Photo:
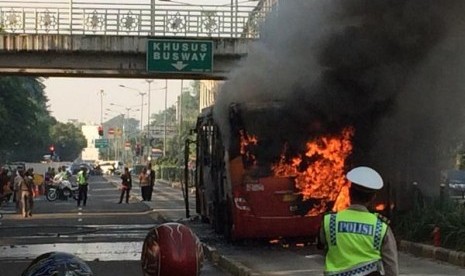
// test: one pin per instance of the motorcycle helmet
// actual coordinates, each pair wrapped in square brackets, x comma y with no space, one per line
[171,249]
[57,264]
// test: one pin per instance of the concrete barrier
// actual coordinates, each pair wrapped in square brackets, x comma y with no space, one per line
[229,265]
[432,252]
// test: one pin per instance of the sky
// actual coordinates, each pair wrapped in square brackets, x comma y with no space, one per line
[79,98]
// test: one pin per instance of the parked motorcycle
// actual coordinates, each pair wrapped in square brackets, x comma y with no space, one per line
[62,190]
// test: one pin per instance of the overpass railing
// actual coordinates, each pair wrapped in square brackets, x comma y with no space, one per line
[167,19]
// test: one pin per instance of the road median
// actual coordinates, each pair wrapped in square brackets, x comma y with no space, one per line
[433,252]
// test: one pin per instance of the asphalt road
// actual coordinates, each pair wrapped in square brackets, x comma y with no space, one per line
[107,235]
[281,258]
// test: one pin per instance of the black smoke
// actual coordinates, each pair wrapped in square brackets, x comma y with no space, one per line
[391,69]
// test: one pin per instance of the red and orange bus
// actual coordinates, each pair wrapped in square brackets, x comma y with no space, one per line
[256,178]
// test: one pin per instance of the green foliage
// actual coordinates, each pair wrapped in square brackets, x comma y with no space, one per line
[27,127]
[417,224]
[68,140]
[25,119]
[189,112]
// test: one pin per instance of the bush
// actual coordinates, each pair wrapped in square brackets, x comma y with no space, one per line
[417,224]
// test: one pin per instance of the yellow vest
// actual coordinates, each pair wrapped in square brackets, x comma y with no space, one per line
[81,179]
[354,240]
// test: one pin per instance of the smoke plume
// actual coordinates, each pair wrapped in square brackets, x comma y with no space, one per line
[391,69]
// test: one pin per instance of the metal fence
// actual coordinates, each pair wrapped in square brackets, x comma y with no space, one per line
[170,19]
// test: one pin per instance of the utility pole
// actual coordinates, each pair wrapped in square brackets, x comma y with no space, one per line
[148,107]
[141,112]
[180,112]
[101,106]
[164,119]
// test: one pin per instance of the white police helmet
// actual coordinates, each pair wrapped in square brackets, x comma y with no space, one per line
[365,177]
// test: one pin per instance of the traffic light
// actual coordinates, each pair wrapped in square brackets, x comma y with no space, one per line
[100,131]
[51,150]
[138,149]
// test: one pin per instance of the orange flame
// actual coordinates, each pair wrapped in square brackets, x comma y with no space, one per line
[380,207]
[324,178]
[247,141]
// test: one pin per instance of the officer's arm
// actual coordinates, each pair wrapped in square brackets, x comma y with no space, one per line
[389,254]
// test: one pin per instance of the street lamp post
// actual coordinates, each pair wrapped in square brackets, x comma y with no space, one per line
[164,119]
[180,111]
[125,118]
[142,111]
[148,107]
[142,94]
[101,106]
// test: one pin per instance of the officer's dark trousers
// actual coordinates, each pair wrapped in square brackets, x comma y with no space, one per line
[82,195]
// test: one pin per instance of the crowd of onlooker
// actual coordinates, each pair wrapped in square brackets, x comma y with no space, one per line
[18,186]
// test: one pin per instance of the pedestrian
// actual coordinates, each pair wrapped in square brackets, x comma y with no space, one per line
[126,185]
[144,184]
[356,241]
[16,191]
[29,177]
[151,174]
[83,186]
[5,191]
[25,191]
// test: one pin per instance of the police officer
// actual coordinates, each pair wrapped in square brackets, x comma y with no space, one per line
[82,182]
[356,241]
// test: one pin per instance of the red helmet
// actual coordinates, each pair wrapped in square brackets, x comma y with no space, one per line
[172,249]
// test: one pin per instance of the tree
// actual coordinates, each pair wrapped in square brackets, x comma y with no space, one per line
[68,140]
[189,112]
[25,119]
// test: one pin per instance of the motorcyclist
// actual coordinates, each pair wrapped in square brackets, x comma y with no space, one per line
[58,177]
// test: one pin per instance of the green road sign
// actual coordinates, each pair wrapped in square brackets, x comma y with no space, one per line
[101,143]
[179,55]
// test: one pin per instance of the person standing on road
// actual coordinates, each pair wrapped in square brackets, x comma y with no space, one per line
[16,191]
[25,191]
[144,184]
[151,174]
[83,186]
[5,191]
[126,185]
[356,241]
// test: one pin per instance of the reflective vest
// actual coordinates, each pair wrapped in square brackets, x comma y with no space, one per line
[354,239]
[64,176]
[81,179]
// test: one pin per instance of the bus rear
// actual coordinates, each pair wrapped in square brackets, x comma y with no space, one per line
[258,178]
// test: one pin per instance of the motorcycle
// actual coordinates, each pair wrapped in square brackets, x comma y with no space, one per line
[62,190]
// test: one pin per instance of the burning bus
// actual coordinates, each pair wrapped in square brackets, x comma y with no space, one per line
[358,91]
[257,178]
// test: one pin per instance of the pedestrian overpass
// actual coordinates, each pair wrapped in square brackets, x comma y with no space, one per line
[165,40]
